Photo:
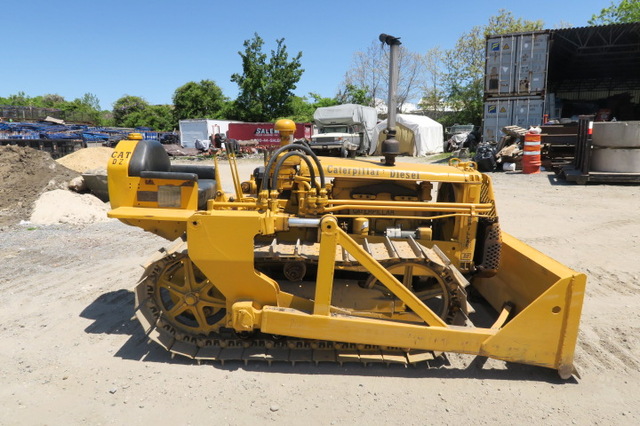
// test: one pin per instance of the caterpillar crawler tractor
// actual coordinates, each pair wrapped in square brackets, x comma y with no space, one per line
[344,260]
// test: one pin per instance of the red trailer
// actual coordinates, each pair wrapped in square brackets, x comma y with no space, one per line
[264,133]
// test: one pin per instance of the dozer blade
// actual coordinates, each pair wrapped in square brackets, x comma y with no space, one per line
[539,301]
[545,301]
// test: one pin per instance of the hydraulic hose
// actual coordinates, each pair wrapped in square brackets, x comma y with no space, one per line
[281,160]
[290,147]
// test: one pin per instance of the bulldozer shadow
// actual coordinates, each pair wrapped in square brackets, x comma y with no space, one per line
[475,369]
[113,314]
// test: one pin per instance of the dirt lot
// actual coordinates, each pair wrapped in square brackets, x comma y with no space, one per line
[71,352]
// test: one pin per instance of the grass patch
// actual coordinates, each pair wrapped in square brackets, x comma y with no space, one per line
[439,157]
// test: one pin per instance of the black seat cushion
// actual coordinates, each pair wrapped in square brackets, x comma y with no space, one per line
[203,172]
[150,160]
[149,155]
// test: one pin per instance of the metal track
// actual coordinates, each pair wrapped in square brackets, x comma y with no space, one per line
[224,345]
[407,249]
[265,350]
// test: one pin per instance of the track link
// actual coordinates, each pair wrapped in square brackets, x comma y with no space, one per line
[291,351]
[267,349]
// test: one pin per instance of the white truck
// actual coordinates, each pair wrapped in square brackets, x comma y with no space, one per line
[344,130]
[201,130]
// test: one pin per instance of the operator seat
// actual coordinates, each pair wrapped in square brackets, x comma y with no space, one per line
[151,161]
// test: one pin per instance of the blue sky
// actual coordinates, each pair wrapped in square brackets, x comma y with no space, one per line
[150,48]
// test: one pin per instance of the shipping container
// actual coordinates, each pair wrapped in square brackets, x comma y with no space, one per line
[561,74]
[500,59]
[265,133]
[531,64]
[497,114]
[516,64]
[502,112]
[527,112]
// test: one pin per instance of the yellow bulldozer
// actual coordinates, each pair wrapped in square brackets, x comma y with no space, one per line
[339,260]
[331,259]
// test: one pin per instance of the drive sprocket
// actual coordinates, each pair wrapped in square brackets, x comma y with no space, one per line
[176,294]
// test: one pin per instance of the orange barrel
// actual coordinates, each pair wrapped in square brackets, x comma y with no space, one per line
[531,160]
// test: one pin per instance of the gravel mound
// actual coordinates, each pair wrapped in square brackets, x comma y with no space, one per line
[25,173]
[87,159]
[60,206]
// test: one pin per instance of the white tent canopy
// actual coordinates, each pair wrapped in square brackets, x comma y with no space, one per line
[418,135]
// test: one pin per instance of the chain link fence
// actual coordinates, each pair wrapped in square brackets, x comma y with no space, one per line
[27,113]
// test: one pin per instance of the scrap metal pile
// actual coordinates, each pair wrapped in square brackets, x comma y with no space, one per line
[59,138]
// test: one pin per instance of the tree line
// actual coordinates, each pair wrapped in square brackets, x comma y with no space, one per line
[448,82]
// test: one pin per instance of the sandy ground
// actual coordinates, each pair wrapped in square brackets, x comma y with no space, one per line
[71,352]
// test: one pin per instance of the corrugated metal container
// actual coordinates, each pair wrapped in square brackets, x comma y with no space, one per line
[527,112]
[516,64]
[531,64]
[517,111]
[497,114]
[500,60]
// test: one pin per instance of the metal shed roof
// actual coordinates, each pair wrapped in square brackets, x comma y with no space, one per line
[595,58]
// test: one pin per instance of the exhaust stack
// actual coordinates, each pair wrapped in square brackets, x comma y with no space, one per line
[390,146]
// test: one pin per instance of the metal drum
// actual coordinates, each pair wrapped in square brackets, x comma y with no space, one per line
[531,160]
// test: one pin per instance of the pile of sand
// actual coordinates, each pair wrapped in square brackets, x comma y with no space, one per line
[60,206]
[24,174]
[87,159]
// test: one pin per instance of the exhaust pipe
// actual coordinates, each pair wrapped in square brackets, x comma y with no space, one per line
[390,146]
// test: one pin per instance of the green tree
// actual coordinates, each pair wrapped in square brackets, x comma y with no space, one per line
[301,110]
[433,93]
[463,77]
[91,101]
[157,117]
[106,118]
[85,109]
[199,100]
[623,12]
[266,87]
[352,94]
[126,106]
[20,99]
[320,101]
[303,107]
[52,100]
